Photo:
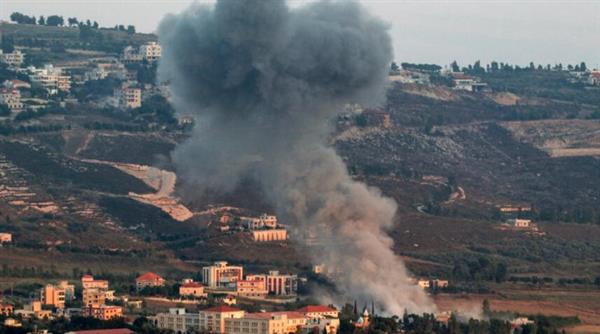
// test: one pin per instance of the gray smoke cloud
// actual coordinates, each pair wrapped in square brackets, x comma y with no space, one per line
[263,82]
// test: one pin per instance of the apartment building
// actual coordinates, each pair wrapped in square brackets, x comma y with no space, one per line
[88,282]
[277,283]
[178,320]
[221,275]
[150,51]
[15,58]
[104,312]
[57,295]
[211,320]
[128,96]
[11,98]
[266,323]
[255,287]
[93,297]
[51,78]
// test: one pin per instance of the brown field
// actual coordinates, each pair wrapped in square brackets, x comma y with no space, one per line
[583,303]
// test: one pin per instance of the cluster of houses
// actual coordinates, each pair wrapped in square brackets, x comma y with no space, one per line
[264,228]
[222,277]
[225,282]
[225,319]
[59,80]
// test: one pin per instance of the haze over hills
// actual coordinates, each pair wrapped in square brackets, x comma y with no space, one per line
[88,181]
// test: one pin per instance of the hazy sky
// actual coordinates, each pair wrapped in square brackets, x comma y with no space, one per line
[423,31]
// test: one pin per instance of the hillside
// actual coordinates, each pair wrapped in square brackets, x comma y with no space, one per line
[83,184]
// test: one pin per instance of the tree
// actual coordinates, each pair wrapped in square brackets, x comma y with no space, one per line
[455,67]
[8,44]
[500,274]
[95,25]
[55,21]
[88,23]
[72,21]
[130,29]
[583,67]
[394,67]
[41,20]
[4,110]
[22,19]
[494,66]
[486,309]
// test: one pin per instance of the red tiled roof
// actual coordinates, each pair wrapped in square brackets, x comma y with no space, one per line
[106,331]
[221,309]
[596,74]
[87,277]
[192,285]
[316,309]
[149,276]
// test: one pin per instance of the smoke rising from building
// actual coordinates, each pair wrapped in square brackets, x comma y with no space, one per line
[263,82]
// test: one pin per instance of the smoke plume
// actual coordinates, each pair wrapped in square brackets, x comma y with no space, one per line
[263,82]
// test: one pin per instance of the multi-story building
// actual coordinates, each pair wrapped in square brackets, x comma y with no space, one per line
[54,295]
[266,323]
[264,221]
[148,279]
[104,312]
[252,287]
[128,96]
[221,275]
[193,289]
[15,58]
[131,55]
[150,51]
[316,311]
[93,297]
[269,235]
[51,78]
[11,98]
[211,320]
[88,282]
[105,70]
[278,284]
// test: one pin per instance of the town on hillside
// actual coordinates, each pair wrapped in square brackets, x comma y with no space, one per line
[493,167]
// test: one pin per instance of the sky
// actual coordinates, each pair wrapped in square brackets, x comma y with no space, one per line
[423,31]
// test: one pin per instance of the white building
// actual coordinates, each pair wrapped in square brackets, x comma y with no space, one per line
[519,223]
[264,221]
[278,284]
[15,58]
[105,70]
[221,275]
[131,55]
[466,82]
[12,99]
[151,51]
[51,78]
[211,320]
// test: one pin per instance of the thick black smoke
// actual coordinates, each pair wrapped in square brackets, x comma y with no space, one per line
[263,82]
